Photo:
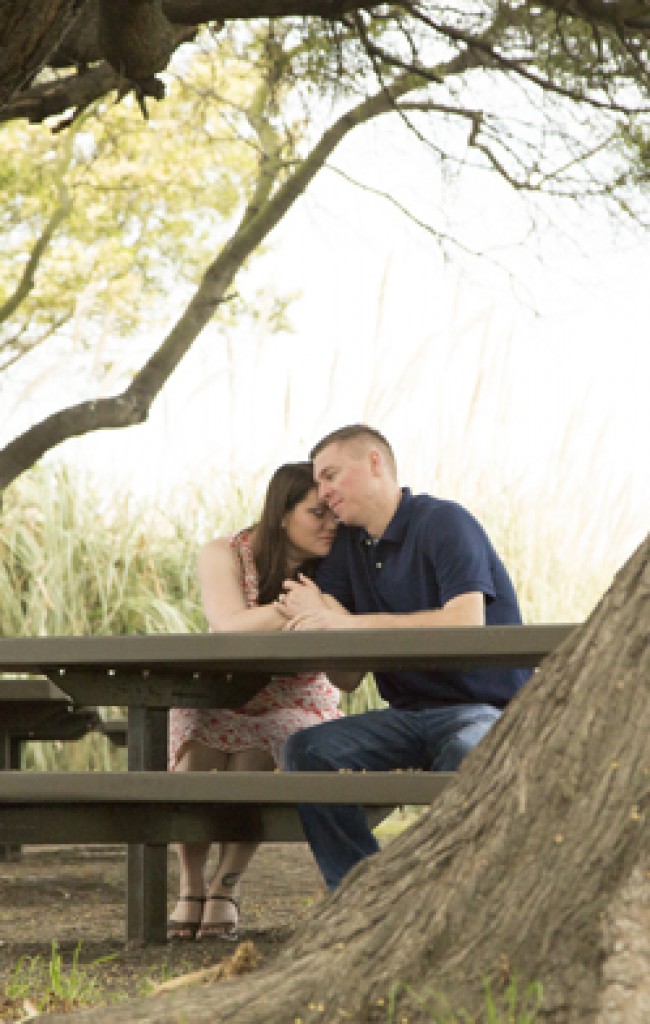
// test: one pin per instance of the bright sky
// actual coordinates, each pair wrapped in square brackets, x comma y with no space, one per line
[539,384]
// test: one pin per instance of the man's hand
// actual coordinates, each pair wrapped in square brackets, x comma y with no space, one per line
[304,606]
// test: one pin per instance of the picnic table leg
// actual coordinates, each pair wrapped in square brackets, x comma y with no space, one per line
[147,864]
[10,758]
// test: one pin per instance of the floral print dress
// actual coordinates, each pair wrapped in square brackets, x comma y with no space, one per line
[285,705]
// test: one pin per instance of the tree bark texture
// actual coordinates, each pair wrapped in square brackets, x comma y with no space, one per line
[534,863]
[30,30]
[137,37]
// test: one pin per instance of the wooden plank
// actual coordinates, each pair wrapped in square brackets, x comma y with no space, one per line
[130,688]
[49,722]
[33,688]
[287,652]
[34,708]
[149,788]
[116,730]
[34,824]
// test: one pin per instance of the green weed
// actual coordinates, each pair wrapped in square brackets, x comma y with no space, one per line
[512,1006]
[47,984]
[163,973]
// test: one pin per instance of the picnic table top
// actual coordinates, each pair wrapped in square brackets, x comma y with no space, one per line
[518,646]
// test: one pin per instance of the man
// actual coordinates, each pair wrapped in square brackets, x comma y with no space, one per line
[399,561]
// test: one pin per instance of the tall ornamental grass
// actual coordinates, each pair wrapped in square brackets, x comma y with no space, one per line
[74,562]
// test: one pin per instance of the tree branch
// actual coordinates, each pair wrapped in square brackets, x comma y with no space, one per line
[132,406]
[198,12]
[493,56]
[74,421]
[19,348]
[76,91]
[62,210]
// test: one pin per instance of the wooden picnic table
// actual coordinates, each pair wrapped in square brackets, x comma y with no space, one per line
[151,674]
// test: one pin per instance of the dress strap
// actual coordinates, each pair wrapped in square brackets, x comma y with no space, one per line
[242,545]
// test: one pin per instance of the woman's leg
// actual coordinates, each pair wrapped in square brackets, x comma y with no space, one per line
[192,857]
[221,913]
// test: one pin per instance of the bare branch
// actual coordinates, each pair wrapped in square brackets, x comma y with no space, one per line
[23,348]
[493,56]
[77,91]
[437,233]
[198,12]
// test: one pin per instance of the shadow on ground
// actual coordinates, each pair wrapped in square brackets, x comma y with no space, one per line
[75,897]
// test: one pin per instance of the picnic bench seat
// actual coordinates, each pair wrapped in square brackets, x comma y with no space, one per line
[37,709]
[108,807]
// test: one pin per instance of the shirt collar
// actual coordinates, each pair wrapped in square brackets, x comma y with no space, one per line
[396,528]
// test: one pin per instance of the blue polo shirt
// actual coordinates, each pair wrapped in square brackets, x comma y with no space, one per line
[430,552]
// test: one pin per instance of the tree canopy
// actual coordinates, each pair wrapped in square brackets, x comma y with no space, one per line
[552,98]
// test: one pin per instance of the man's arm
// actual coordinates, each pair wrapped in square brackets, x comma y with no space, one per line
[306,608]
[464,610]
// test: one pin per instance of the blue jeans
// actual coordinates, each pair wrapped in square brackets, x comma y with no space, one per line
[435,739]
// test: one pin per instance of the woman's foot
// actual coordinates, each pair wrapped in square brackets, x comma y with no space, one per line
[186,918]
[220,918]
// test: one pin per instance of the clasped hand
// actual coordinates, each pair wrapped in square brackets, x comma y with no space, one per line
[304,606]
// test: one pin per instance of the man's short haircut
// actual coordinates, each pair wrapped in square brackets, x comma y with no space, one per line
[358,432]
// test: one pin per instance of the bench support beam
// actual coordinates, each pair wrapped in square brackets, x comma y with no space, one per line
[146,872]
[11,749]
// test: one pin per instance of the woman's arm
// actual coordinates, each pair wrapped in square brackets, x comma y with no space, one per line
[222,595]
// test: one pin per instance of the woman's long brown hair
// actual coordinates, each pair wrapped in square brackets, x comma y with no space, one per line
[288,486]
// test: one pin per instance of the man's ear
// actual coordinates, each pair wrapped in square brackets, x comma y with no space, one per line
[376,462]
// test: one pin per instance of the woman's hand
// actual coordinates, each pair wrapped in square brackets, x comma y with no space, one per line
[321,618]
[305,606]
[300,596]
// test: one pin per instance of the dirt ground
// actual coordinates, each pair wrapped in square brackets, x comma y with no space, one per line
[75,896]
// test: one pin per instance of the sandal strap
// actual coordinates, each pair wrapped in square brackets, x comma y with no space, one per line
[228,899]
[192,899]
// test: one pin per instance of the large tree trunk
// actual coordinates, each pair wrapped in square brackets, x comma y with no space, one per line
[534,863]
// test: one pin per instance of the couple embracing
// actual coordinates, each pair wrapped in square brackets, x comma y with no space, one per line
[340,544]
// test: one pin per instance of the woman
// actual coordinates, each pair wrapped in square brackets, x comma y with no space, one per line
[241,576]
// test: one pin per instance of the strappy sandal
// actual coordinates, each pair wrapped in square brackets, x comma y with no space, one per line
[226,930]
[185,930]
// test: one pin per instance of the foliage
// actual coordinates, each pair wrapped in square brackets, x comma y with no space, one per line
[136,208]
[67,570]
[552,106]
[509,1006]
[72,563]
[44,986]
